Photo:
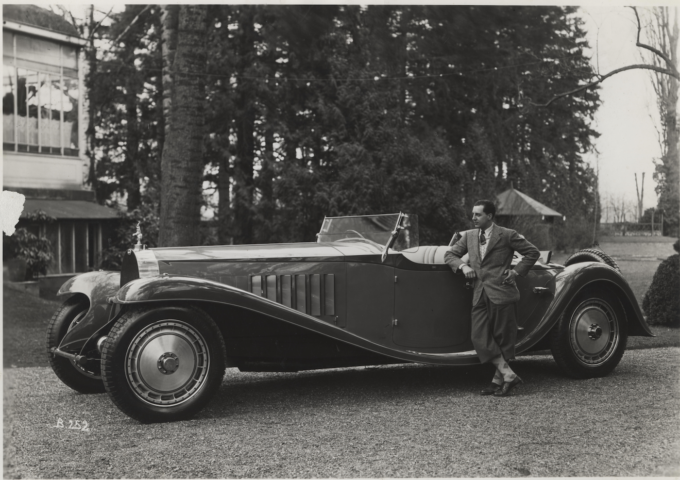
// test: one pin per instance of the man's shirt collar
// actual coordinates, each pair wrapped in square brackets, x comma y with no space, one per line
[487,232]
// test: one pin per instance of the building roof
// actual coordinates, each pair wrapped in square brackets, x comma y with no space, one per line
[69,209]
[514,202]
[35,16]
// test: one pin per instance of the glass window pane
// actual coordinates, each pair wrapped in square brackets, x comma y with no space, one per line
[7,44]
[9,91]
[300,293]
[70,105]
[40,67]
[27,104]
[37,50]
[69,57]
[43,105]
[50,110]
[66,247]
[70,73]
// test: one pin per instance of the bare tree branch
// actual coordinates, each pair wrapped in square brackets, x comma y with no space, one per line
[64,12]
[602,78]
[134,20]
[671,71]
[98,25]
[652,49]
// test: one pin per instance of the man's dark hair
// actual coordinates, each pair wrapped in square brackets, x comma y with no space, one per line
[489,207]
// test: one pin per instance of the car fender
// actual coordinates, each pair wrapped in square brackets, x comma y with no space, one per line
[98,287]
[577,278]
[170,289]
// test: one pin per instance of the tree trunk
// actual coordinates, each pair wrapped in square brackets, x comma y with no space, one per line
[90,132]
[665,34]
[244,176]
[266,186]
[159,99]
[182,159]
[224,235]
[132,145]
[245,131]
[169,21]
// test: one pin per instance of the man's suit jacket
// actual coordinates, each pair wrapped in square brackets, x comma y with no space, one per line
[499,252]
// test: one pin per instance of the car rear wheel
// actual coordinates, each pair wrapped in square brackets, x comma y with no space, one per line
[163,364]
[590,337]
[83,379]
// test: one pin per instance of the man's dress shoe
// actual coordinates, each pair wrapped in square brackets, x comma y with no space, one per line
[491,389]
[507,386]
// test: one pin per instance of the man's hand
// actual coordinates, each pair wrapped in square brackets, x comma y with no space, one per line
[510,276]
[468,272]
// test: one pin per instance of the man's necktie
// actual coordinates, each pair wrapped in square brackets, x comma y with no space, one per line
[482,238]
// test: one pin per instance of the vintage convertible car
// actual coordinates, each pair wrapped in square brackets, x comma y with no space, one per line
[158,335]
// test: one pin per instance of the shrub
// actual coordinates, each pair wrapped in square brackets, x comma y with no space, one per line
[662,300]
[573,235]
[34,250]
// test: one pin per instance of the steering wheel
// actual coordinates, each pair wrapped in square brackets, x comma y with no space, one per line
[361,239]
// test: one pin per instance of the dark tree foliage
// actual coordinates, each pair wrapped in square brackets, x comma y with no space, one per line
[125,98]
[316,110]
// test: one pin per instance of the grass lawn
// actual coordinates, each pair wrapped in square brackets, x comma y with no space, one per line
[25,319]
[638,258]
[636,239]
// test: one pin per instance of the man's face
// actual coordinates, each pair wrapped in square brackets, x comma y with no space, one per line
[479,218]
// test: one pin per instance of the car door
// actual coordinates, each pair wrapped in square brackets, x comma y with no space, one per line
[370,300]
[536,293]
[431,310]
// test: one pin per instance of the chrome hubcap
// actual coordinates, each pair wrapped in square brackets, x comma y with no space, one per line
[167,363]
[594,332]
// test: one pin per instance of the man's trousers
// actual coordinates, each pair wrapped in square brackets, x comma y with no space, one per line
[494,329]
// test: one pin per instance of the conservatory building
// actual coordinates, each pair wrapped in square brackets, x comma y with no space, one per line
[44,123]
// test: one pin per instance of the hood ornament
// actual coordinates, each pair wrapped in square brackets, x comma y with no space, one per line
[138,234]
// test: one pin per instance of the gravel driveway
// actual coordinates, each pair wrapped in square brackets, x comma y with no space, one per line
[396,421]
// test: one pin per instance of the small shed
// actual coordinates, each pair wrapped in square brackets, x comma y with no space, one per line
[529,217]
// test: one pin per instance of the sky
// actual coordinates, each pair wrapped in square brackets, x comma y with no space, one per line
[628,116]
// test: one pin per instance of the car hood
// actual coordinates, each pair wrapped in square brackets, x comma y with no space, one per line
[281,250]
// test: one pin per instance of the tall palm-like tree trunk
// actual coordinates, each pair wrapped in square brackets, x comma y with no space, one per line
[184,92]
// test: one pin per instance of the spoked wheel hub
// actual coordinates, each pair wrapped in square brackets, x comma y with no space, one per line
[167,363]
[85,369]
[594,332]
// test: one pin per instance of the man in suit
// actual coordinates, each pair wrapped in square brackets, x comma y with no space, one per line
[494,325]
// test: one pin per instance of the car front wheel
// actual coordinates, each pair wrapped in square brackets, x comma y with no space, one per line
[590,337]
[163,364]
[83,379]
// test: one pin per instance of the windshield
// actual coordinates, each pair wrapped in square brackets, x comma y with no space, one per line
[372,229]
